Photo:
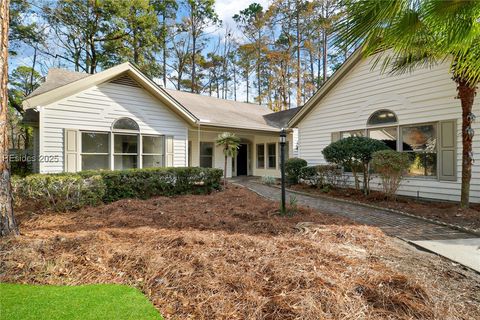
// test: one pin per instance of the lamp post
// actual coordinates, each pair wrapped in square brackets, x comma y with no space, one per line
[283,140]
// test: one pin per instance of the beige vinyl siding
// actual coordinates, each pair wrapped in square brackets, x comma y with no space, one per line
[218,157]
[251,139]
[293,143]
[427,95]
[96,108]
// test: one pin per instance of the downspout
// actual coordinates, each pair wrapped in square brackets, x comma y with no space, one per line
[199,123]
[198,143]
[39,109]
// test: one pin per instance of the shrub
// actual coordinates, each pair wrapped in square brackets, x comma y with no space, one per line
[268,180]
[331,175]
[58,192]
[145,183]
[391,167]
[355,153]
[322,175]
[309,175]
[68,191]
[293,167]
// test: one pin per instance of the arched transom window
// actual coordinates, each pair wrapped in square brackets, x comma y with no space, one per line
[126,124]
[382,117]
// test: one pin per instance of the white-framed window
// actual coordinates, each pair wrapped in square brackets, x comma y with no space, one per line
[125,151]
[418,140]
[206,154]
[153,151]
[261,156]
[95,150]
[272,155]
[122,148]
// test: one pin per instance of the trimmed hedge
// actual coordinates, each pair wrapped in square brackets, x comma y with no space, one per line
[58,192]
[322,175]
[293,168]
[69,191]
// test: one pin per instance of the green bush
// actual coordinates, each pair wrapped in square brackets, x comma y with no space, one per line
[293,168]
[309,174]
[58,192]
[356,154]
[145,183]
[67,191]
[391,166]
[322,175]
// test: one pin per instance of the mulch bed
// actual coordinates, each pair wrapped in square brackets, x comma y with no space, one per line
[447,212]
[229,255]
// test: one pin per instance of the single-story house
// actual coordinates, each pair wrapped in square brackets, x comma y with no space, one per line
[120,119]
[414,112]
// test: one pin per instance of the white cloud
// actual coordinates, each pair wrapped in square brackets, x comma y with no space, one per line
[226,9]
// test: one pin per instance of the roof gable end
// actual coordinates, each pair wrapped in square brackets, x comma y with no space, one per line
[125,73]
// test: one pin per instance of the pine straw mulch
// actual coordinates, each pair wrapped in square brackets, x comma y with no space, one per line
[229,255]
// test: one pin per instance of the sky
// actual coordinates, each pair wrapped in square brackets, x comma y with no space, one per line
[225,9]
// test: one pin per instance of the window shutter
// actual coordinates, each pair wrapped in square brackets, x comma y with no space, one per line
[447,152]
[169,151]
[335,136]
[71,150]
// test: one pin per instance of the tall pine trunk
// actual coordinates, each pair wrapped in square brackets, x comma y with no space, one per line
[259,55]
[299,89]
[8,225]
[164,50]
[466,94]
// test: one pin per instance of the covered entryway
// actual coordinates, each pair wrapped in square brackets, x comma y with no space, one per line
[242,160]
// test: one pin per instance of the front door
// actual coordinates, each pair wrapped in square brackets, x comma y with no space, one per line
[242,163]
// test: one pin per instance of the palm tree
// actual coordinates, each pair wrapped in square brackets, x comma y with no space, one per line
[405,34]
[230,144]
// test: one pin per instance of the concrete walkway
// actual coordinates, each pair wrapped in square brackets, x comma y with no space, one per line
[461,247]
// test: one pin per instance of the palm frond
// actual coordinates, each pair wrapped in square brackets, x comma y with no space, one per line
[229,142]
[407,34]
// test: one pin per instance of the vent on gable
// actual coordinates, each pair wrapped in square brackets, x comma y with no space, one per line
[125,81]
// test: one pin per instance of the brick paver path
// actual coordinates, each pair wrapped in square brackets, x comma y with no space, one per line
[393,224]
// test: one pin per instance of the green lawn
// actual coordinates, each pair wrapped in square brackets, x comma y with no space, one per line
[102,301]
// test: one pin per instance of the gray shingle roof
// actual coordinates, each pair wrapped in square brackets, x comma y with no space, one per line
[280,119]
[210,110]
[221,112]
[57,78]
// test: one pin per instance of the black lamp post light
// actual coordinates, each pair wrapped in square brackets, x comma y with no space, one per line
[283,141]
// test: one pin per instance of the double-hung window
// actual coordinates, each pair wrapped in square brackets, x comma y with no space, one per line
[95,150]
[260,156]
[122,146]
[272,155]
[125,151]
[153,151]
[206,154]
[420,142]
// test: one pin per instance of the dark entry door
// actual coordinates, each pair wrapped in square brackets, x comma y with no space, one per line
[242,157]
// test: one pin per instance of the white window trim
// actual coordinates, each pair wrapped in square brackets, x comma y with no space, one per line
[264,157]
[152,154]
[111,154]
[268,155]
[200,153]
[400,140]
